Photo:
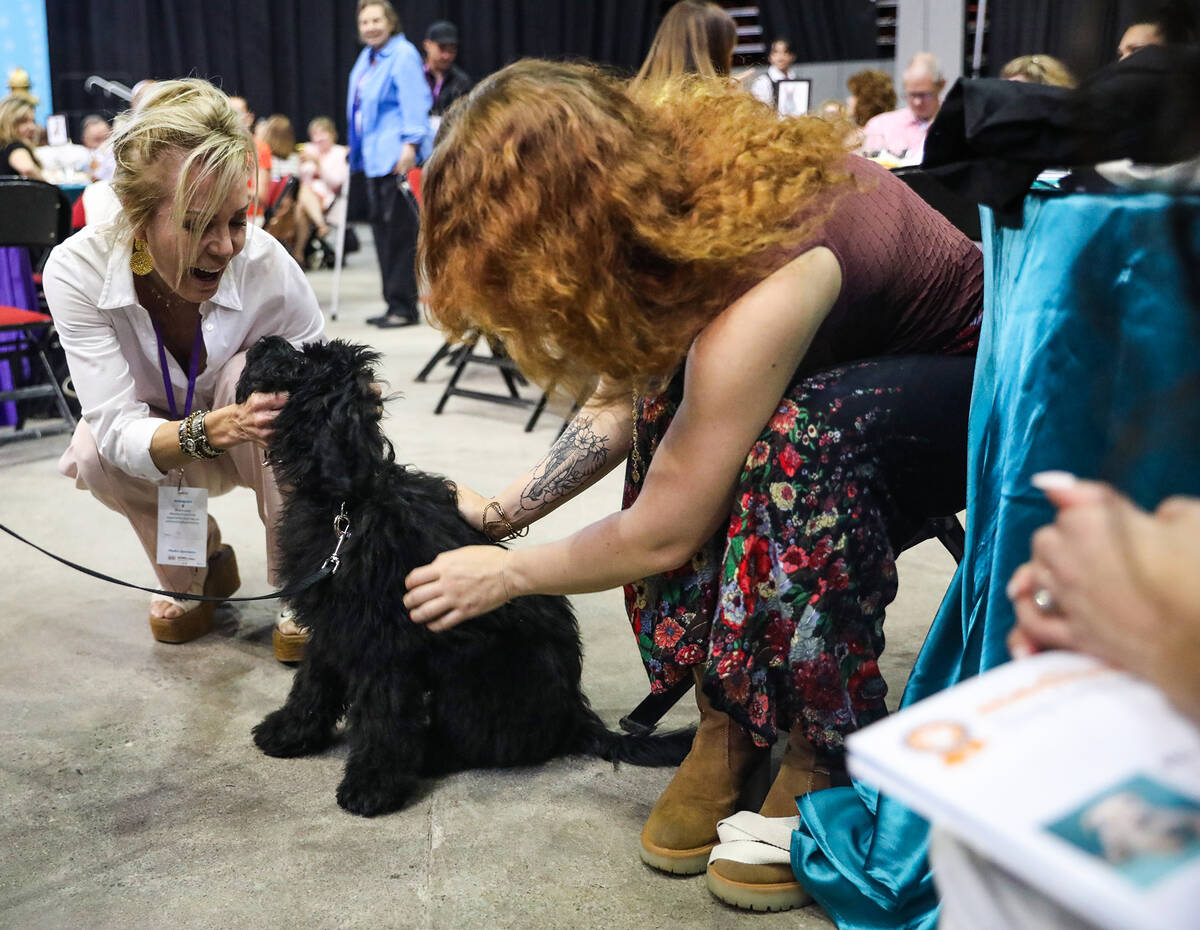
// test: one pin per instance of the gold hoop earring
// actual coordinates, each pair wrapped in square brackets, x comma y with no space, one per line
[141,262]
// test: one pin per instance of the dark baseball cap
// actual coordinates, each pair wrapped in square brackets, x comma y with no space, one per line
[442,32]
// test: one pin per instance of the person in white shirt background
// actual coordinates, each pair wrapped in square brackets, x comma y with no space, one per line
[155,312]
[94,133]
[779,68]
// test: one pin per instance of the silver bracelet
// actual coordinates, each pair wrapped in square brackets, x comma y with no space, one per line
[193,439]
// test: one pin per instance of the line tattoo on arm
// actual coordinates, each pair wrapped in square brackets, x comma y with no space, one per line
[576,455]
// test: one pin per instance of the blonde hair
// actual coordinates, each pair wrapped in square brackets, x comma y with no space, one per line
[193,120]
[694,38]
[12,110]
[323,122]
[832,109]
[1039,69]
[596,234]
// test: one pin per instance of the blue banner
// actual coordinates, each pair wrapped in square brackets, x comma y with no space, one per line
[23,44]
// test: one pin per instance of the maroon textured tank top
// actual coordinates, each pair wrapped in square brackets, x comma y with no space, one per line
[912,284]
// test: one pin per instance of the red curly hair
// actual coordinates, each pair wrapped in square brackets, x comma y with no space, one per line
[873,92]
[596,233]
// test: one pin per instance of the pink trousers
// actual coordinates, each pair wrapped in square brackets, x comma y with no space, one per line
[137,498]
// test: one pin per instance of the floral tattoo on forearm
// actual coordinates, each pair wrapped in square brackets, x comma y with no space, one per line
[576,455]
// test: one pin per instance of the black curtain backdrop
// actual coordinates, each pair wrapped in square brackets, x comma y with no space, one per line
[1083,33]
[294,56]
[821,30]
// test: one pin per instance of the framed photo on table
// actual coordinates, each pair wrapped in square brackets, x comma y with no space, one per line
[794,97]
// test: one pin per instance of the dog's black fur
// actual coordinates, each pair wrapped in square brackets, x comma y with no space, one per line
[500,690]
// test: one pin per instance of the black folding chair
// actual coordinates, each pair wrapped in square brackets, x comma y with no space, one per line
[465,353]
[960,211]
[35,216]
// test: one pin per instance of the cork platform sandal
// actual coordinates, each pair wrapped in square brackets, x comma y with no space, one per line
[289,638]
[222,580]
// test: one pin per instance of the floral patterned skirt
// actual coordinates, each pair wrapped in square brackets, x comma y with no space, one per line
[784,608]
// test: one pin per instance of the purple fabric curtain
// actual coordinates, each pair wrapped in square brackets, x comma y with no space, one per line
[16,290]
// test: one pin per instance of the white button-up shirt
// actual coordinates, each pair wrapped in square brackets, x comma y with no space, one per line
[762,89]
[112,349]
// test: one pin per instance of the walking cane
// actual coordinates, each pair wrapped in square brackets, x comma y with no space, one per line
[339,252]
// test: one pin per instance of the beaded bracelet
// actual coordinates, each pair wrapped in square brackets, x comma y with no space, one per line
[502,520]
[193,439]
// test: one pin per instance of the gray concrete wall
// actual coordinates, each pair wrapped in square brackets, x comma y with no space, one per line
[937,26]
[829,77]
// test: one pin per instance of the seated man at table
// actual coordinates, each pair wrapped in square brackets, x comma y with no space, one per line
[902,132]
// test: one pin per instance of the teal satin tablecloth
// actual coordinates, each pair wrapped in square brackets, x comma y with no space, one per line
[1089,361]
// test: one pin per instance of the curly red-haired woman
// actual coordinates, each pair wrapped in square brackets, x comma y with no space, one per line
[783,336]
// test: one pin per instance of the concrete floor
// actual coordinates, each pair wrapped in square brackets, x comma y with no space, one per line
[132,796]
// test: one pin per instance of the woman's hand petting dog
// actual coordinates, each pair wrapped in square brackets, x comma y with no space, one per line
[253,420]
[456,586]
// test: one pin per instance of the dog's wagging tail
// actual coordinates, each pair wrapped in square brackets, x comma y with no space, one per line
[500,690]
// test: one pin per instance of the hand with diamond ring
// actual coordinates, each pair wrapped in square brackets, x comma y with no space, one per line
[1109,579]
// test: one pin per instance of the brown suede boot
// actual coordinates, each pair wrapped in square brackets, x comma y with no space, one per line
[800,771]
[772,886]
[682,827]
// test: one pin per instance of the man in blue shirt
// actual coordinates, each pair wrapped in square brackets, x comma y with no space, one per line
[387,110]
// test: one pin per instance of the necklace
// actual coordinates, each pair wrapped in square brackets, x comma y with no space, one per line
[164,299]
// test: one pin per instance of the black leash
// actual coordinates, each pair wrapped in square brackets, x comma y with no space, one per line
[341,525]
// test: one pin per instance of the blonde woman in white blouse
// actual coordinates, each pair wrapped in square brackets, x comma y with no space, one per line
[155,311]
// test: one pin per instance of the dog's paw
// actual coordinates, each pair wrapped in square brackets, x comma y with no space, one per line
[370,798]
[281,735]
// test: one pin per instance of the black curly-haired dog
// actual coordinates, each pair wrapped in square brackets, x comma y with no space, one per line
[500,690]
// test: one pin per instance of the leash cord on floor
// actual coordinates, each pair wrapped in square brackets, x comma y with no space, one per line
[326,569]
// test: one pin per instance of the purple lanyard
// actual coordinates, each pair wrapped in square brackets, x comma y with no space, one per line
[194,367]
[436,87]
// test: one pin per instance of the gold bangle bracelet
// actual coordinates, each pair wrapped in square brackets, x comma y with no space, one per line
[501,521]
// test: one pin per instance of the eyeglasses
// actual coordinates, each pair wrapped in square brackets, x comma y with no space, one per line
[919,95]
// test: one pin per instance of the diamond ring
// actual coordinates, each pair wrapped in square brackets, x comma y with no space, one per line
[1044,601]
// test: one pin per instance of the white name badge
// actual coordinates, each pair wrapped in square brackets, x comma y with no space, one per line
[182,526]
